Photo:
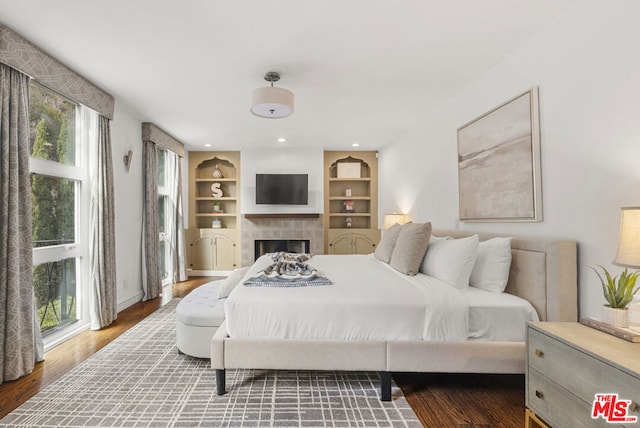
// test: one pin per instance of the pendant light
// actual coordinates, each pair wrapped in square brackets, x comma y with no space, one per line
[271,102]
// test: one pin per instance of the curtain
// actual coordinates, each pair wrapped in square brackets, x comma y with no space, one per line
[102,250]
[20,341]
[178,263]
[151,275]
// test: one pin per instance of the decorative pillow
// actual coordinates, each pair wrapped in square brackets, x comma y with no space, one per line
[387,243]
[451,260]
[410,247]
[230,282]
[491,271]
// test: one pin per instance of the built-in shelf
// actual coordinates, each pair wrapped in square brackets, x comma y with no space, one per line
[281,215]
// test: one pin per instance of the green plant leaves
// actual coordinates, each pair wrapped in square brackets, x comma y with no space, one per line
[618,292]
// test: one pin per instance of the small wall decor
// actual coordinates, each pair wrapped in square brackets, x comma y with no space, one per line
[499,163]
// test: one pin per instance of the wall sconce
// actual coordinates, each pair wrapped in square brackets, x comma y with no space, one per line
[391,219]
[127,160]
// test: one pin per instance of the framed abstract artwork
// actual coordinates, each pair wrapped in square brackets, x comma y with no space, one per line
[499,163]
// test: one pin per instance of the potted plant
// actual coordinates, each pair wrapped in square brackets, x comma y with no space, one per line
[618,292]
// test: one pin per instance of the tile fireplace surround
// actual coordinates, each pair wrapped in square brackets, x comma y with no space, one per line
[280,228]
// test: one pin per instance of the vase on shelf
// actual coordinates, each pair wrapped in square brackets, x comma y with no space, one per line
[217,173]
[617,317]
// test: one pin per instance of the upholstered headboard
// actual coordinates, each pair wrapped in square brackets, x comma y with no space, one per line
[543,271]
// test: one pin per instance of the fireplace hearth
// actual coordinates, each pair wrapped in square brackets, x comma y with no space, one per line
[264,246]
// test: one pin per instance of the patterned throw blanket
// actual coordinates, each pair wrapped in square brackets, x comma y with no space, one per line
[288,270]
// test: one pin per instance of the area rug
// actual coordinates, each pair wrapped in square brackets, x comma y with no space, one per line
[140,380]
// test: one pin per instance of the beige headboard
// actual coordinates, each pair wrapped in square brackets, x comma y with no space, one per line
[543,271]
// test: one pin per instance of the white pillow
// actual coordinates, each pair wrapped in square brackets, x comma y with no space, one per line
[491,271]
[230,282]
[451,260]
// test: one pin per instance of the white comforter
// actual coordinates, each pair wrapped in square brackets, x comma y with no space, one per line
[368,300]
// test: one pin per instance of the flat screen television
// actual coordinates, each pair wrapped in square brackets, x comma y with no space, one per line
[282,189]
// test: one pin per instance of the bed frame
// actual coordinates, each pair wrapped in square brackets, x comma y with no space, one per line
[543,271]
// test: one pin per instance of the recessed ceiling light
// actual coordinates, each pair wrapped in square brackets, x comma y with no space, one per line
[355,145]
[207,145]
[282,140]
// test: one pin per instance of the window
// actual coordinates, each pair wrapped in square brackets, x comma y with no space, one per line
[164,204]
[58,179]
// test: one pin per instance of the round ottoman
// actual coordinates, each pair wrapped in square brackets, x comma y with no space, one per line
[198,316]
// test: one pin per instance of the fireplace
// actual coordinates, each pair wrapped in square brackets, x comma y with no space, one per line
[264,246]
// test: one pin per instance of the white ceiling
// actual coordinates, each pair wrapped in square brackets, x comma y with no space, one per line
[362,70]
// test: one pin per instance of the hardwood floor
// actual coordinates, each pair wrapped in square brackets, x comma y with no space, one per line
[439,400]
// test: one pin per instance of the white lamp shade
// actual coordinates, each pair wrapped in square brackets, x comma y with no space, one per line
[629,242]
[272,103]
[391,219]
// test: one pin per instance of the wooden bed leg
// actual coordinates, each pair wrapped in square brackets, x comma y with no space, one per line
[385,386]
[220,380]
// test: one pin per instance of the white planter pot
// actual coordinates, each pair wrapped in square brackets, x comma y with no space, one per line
[616,317]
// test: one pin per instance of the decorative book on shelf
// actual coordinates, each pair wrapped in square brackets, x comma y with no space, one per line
[623,333]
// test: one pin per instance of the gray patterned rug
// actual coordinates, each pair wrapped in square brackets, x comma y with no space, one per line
[140,380]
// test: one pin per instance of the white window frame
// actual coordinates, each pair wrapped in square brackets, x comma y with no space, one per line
[165,237]
[86,123]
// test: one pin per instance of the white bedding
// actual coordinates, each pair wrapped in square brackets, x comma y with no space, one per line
[498,316]
[368,300]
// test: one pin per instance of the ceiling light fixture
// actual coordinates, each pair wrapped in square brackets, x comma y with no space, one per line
[271,102]
[355,145]
[282,140]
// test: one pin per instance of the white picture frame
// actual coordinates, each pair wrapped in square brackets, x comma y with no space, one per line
[499,163]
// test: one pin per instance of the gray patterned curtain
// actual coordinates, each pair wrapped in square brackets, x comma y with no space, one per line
[102,250]
[151,275]
[18,336]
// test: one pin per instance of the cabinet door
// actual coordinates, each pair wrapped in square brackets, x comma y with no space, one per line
[201,253]
[363,244]
[224,253]
[341,244]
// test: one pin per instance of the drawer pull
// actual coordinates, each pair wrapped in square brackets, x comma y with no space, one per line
[633,407]
[539,394]
[539,353]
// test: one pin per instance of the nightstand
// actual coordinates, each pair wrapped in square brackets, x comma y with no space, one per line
[568,364]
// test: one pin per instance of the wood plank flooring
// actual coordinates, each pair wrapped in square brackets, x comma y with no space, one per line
[439,400]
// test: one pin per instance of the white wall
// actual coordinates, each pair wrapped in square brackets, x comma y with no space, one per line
[587,68]
[126,133]
[281,161]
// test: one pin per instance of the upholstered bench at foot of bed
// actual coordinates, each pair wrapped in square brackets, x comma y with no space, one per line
[198,316]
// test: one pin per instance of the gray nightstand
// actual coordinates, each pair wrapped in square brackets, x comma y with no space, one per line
[568,364]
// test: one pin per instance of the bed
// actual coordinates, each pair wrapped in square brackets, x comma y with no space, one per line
[543,275]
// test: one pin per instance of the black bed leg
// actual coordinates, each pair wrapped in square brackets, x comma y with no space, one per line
[220,380]
[385,386]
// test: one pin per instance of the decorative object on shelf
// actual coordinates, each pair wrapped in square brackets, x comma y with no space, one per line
[394,218]
[271,102]
[499,163]
[216,224]
[349,170]
[348,223]
[348,206]
[216,207]
[217,173]
[347,193]
[216,191]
